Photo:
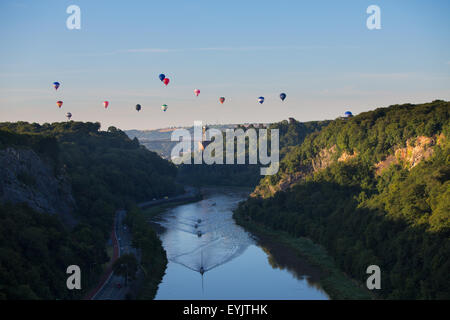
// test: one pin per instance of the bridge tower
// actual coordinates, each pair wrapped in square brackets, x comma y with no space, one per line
[204,143]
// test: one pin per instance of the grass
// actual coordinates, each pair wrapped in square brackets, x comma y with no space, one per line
[336,283]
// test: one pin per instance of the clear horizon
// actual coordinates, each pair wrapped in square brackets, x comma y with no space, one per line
[320,54]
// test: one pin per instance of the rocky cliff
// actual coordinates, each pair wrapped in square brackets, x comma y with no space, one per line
[417,149]
[26,178]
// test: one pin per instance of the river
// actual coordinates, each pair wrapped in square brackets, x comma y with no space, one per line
[202,237]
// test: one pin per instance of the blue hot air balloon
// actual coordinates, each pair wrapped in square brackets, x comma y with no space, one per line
[162,76]
[283,96]
[348,114]
[56,85]
[261,100]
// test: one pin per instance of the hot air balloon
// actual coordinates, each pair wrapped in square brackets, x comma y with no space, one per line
[166,81]
[164,107]
[261,100]
[197,92]
[283,96]
[105,104]
[56,85]
[162,76]
[59,103]
[68,115]
[138,107]
[222,100]
[348,114]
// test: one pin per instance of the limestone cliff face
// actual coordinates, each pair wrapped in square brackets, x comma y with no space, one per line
[416,150]
[322,160]
[26,178]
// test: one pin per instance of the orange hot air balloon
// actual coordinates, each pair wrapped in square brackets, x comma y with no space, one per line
[197,92]
[222,100]
[59,103]
[105,104]
[166,81]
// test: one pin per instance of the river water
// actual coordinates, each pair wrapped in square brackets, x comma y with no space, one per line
[203,237]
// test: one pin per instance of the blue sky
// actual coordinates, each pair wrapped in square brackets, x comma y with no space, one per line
[319,52]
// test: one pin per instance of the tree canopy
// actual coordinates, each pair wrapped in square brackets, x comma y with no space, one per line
[398,219]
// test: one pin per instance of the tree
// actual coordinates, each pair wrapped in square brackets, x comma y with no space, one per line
[126,266]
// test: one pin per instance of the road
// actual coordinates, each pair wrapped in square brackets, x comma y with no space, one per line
[113,287]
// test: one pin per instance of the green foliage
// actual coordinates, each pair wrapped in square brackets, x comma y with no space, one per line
[373,135]
[107,170]
[246,175]
[153,256]
[35,251]
[126,266]
[26,179]
[292,133]
[399,220]
[44,145]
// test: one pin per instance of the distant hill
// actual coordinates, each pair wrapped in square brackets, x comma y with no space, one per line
[291,133]
[158,140]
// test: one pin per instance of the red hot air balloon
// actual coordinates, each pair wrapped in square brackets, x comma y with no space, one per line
[222,100]
[166,81]
[59,103]
[105,104]
[197,92]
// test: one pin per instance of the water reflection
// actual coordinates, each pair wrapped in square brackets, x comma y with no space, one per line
[229,263]
[202,236]
[284,258]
